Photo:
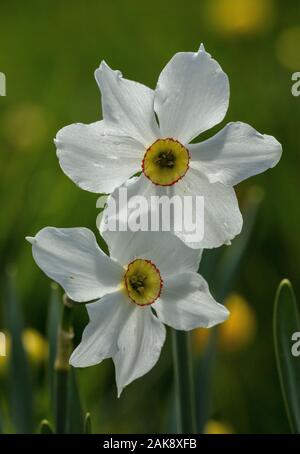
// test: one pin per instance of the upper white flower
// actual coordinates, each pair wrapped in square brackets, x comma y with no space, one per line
[137,289]
[191,96]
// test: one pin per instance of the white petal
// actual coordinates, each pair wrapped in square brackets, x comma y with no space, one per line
[95,159]
[237,152]
[186,303]
[99,338]
[165,250]
[72,258]
[139,346]
[127,105]
[168,253]
[222,217]
[191,96]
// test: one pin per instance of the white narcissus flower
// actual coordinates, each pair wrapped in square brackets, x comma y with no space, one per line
[191,96]
[147,281]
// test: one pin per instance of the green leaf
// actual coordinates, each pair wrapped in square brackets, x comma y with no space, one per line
[45,428]
[1,428]
[62,368]
[286,321]
[20,384]
[69,414]
[53,319]
[184,383]
[75,411]
[88,424]
[204,372]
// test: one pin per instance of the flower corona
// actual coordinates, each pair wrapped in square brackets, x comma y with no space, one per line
[143,282]
[165,162]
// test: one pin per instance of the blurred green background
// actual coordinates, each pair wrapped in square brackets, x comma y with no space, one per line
[48,52]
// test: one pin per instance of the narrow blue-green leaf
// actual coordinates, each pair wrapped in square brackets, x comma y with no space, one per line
[19,379]
[286,322]
[45,428]
[75,411]
[88,424]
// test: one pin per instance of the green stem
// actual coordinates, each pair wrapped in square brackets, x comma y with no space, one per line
[62,368]
[184,383]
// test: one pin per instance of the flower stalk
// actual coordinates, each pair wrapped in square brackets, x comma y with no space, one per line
[62,368]
[184,382]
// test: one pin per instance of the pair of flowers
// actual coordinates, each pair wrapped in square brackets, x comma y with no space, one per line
[150,279]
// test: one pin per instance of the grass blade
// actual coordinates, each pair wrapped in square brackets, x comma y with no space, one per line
[20,385]
[1,429]
[184,382]
[204,382]
[286,321]
[75,411]
[62,368]
[88,424]
[45,428]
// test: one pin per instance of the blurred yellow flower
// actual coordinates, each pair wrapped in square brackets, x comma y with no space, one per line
[200,338]
[35,345]
[240,328]
[217,427]
[25,126]
[287,48]
[3,364]
[243,17]
[4,347]
[237,332]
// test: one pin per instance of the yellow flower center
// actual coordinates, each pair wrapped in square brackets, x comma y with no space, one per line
[143,282]
[165,162]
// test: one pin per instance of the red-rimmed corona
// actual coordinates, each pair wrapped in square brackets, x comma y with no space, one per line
[165,162]
[143,282]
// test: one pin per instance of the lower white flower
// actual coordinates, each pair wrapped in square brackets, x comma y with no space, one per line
[147,280]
